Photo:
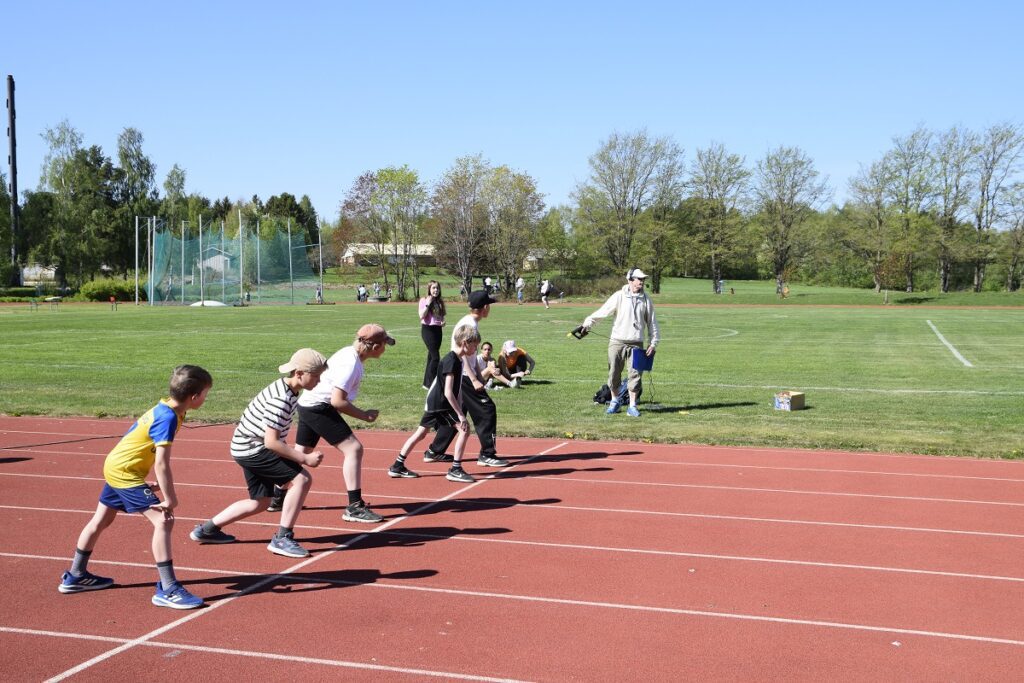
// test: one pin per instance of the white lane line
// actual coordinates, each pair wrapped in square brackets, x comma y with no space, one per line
[747,489]
[264,655]
[144,640]
[626,460]
[949,346]
[269,579]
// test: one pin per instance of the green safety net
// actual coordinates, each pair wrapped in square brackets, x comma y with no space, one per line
[262,266]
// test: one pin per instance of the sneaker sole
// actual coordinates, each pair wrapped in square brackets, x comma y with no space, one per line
[438,459]
[349,518]
[492,464]
[402,475]
[285,553]
[459,480]
[81,589]
[160,602]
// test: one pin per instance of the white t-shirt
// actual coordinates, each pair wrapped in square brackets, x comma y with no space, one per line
[344,371]
[467,319]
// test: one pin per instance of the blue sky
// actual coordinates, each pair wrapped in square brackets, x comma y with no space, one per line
[252,98]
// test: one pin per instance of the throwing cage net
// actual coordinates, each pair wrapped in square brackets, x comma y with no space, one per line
[269,262]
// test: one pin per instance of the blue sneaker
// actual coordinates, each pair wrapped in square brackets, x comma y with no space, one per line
[176,598]
[69,583]
[632,411]
[613,408]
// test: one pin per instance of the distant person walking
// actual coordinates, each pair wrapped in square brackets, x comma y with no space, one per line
[432,312]
[520,286]
[546,289]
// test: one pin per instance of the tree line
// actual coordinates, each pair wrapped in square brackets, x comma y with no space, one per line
[938,210]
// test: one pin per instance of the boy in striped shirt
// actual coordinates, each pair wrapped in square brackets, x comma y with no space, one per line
[258,446]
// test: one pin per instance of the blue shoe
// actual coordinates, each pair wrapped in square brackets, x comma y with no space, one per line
[613,408]
[69,583]
[176,598]
[632,411]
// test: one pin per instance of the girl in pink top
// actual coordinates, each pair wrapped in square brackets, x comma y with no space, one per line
[432,311]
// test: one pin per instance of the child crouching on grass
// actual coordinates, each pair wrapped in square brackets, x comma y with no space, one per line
[443,407]
[145,447]
[258,446]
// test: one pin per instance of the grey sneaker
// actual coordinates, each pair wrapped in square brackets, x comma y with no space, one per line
[491,461]
[431,456]
[286,545]
[217,536]
[359,512]
[460,475]
[397,471]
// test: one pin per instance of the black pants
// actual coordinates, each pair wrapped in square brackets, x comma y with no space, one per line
[479,406]
[432,338]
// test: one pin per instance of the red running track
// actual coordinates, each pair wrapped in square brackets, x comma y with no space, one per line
[583,561]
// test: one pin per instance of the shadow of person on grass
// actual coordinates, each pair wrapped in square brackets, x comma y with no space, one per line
[696,406]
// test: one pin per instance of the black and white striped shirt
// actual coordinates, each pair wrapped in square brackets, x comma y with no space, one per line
[273,407]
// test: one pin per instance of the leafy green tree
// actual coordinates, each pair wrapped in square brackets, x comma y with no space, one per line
[953,154]
[866,226]
[787,191]
[996,162]
[911,176]
[514,206]
[555,242]
[398,203]
[1012,250]
[629,174]
[719,180]
[136,195]
[461,212]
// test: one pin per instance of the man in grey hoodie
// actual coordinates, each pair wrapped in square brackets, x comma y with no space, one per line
[634,315]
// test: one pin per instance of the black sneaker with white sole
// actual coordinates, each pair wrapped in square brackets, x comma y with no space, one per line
[491,461]
[360,512]
[397,471]
[460,475]
[431,456]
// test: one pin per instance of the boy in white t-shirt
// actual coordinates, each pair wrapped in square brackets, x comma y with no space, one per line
[321,410]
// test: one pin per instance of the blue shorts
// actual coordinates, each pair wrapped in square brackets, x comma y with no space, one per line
[134,499]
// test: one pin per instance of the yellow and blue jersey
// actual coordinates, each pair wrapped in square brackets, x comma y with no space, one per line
[132,458]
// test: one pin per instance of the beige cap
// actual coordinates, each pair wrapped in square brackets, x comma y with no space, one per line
[374,334]
[306,360]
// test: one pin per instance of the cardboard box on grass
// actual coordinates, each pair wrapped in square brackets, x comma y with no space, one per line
[789,400]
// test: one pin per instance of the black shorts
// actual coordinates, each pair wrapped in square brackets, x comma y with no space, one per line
[435,419]
[321,420]
[264,470]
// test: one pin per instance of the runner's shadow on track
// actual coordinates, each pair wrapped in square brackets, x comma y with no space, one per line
[462,505]
[405,538]
[8,461]
[563,457]
[550,472]
[302,582]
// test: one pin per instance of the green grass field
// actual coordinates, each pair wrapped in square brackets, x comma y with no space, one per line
[876,377]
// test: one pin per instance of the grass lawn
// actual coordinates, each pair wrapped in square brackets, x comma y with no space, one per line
[876,377]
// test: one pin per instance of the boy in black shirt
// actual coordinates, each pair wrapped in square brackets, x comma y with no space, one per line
[443,407]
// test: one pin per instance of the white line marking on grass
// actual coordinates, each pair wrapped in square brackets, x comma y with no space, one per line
[949,346]
[262,655]
[142,640]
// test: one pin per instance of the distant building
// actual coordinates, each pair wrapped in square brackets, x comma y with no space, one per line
[35,274]
[365,254]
